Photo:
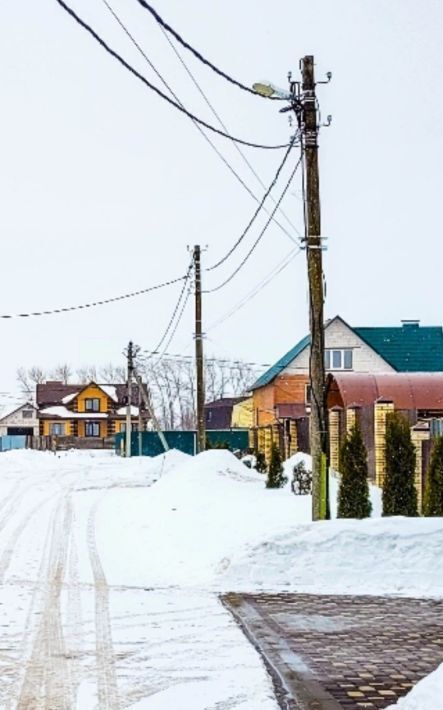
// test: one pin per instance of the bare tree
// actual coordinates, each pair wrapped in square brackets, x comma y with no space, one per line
[110,373]
[87,373]
[173,387]
[62,372]
[29,378]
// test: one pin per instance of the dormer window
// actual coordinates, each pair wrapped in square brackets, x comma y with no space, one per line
[92,405]
[338,359]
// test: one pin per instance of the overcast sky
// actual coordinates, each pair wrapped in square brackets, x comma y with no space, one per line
[103,185]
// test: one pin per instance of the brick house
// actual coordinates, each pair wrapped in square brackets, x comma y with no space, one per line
[282,392]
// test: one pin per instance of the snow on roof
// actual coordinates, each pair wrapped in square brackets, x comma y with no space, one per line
[13,408]
[64,413]
[110,390]
[69,397]
[134,410]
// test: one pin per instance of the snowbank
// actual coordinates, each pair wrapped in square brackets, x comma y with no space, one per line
[210,522]
[426,695]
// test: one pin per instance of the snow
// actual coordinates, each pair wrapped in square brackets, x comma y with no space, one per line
[110,571]
[59,411]
[69,398]
[110,390]
[426,695]
[134,410]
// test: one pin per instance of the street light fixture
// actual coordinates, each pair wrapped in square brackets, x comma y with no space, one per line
[268,89]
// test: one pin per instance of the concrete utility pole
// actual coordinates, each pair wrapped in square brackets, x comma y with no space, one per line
[201,433]
[313,243]
[130,358]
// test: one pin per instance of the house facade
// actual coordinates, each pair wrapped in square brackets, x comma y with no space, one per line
[21,421]
[88,412]
[282,392]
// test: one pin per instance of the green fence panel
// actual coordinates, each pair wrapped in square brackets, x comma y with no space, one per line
[152,446]
[235,438]
[185,441]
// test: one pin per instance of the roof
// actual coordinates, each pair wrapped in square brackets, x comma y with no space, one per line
[63,413]
[282,364]
[55,393]
[417,390]
[226,401]
[408,348]
[13,409]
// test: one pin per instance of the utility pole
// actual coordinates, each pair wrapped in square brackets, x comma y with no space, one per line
[201,433]
[314,247]
[130,358]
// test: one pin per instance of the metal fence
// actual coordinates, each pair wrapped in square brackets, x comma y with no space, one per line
[147,443]
[8,443]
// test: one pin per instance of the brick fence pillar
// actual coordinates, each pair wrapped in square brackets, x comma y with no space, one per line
[381,411]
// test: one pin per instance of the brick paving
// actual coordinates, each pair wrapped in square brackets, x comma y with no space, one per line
[332,652]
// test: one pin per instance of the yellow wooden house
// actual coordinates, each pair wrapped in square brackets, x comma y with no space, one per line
[91,411]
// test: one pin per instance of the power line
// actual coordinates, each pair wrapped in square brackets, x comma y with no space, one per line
[156,90]
[173,332]
[257,211]
[198,127]
[259,287]
[188,358]
[220,121]
[94,304]
[199,56]
[175,311]
[260,236]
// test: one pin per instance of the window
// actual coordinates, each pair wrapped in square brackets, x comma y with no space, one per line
[92,428]
[57,429]
[338,359]
[92,405]
[27,413]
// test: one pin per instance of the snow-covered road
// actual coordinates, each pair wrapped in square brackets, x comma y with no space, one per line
[69,638]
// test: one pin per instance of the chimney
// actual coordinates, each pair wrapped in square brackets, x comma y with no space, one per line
[410,323]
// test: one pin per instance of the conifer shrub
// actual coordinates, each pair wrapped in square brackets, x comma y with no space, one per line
[433,499]
[399,493]
[276,477]
[301,483]
[260,463]
[353,492]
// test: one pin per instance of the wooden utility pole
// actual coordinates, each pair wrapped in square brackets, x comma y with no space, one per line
[130,358]
[314,246]
[201,433]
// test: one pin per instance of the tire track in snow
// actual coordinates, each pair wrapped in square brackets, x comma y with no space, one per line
[46,685]
[107,677]
[6,555]
[74,614]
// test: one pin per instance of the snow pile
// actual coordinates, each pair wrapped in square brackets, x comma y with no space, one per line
[374,556]
[210,522]
[192,522]
[426,695]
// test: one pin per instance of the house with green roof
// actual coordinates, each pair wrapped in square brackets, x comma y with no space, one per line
[283,391]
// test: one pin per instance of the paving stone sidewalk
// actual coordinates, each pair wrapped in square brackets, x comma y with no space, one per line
[333,652]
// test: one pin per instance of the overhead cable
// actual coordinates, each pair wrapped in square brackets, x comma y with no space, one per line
[260,236]
[156,90]
[259,287]
[218,118]
[94,304]
[175,311]
[199,56]
[198,127]
[258,210]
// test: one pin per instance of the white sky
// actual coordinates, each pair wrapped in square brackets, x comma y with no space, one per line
[103,185]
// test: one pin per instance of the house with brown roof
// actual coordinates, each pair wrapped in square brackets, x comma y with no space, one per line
[86,412]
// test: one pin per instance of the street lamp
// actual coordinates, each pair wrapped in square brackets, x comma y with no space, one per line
[268,89]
